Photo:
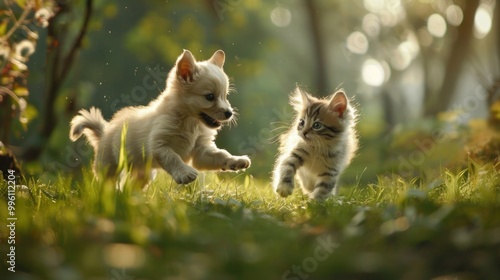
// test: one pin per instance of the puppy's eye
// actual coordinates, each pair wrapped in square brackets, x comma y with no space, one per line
[317,125]
[301,123]
[210,97]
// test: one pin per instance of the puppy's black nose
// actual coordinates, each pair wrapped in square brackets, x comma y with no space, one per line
[228,114]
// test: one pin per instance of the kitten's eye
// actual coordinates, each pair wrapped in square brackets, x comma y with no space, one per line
[301,122]
[210,97]
[317,125]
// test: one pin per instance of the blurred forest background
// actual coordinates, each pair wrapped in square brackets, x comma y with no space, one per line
[425,75]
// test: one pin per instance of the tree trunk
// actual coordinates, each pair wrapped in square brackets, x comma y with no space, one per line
[314,20]
[441,100]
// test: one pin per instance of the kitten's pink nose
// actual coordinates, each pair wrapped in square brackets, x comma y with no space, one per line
[304,134]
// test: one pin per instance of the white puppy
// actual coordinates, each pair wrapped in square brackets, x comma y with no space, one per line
[175,132]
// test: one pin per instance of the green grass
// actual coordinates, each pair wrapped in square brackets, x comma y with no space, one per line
[235,227]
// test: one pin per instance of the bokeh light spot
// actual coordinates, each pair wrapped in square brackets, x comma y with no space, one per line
[436,25]
[281,17]
[357,43]
[373,73]
[482,22]
[401,57]
[124,255]
[454,15]
[371,25]
[374,6]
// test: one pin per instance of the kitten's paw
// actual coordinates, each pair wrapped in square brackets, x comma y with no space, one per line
[237,163]
[284,188]
[185,175]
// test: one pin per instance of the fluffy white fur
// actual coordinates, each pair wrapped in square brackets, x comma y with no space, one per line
[175,132]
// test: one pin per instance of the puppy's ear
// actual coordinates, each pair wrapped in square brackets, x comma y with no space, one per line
[299,99]
[338,103]
[218,58]
[186,66]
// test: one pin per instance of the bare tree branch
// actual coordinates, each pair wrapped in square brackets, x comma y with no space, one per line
[61,66]
[18,22]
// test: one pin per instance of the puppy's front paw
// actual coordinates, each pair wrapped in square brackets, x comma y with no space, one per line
[284,187]
[185,175]
[237,163]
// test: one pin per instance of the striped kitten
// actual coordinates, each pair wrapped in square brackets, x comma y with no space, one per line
[318,147]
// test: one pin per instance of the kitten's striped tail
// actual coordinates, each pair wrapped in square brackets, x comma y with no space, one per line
[91,123]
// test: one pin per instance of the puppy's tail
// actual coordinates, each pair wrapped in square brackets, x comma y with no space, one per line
[91,123]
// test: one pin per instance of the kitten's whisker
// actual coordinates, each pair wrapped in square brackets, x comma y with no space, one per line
[281,123]
[274,139]
[278,128]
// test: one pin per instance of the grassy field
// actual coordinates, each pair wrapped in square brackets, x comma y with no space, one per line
[234,227]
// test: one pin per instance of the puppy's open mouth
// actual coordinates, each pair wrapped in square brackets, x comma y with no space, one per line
[209,121]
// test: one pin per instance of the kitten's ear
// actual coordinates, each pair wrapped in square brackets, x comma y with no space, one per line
[299,99]
[186,66]
[218,58]
[339,103]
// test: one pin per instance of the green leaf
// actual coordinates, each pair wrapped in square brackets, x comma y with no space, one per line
[219,215]
[220,202]
[21,91]
[123,161]
[416,193]
[234,202]
[246,182]
[358,218]
[27,115]
[3,28]
[22,3]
